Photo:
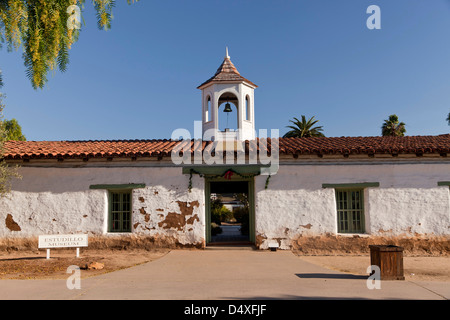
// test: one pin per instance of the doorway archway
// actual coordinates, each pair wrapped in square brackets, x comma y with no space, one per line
[230,211]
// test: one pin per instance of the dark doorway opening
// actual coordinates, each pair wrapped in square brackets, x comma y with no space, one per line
[229,210]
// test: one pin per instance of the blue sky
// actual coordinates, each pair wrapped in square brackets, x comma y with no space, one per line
[314,58]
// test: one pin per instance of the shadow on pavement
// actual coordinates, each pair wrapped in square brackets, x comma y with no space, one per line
[330,276]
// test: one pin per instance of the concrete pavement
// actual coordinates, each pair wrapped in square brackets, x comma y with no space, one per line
[224,274]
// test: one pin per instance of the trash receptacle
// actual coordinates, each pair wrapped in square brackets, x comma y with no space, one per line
[389,259]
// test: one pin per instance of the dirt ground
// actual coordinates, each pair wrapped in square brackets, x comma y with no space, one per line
[415,268]
[424,259]
[32,264]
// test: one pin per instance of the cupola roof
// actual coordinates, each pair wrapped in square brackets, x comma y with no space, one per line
[227,72]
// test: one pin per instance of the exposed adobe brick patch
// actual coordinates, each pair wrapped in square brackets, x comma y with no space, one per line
[187,208]
[192,219]
[11,224]
[260,238]
[146,215]
[178,221]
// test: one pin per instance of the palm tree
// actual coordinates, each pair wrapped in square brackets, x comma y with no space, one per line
[448,118]
[304,128]
[392,127]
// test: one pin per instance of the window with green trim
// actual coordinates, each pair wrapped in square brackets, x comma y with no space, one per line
[120,211]
[350,210]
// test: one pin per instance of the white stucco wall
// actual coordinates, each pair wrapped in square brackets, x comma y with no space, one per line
[407,202]
[52,200]
[58,200]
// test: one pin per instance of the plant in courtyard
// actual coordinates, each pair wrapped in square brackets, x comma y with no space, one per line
[304,128]
[241,215]
[219,213]
[392,127]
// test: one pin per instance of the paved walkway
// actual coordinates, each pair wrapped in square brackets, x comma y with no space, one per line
[230,233]
[224,274]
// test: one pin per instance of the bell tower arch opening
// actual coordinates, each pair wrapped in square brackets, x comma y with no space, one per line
[208,109]
[247,108]
[228,113]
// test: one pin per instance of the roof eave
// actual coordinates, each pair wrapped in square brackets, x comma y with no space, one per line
[211,82]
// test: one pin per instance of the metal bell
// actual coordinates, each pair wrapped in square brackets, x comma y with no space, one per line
[227,108]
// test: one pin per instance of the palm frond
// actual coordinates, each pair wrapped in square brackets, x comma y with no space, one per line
[392,127]
[304,128]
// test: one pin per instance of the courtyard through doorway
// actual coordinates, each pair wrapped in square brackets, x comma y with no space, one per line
[230,212]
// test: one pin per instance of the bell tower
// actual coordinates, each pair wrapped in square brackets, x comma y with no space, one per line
[229,93]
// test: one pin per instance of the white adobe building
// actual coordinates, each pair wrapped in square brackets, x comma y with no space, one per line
[366,186]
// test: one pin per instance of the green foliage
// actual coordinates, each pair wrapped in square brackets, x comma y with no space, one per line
[6,172]
[241,215]
[392,127]
[304,128]
[104,13]
[219,213]
[40,28]
[13,130]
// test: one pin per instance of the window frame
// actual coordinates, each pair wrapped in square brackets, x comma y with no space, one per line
[109,189]
[121,212]
[349,211]
[363,187]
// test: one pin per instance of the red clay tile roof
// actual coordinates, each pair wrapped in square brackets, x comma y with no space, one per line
[159,148]
[87,149]
[366,145]
[227,72]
